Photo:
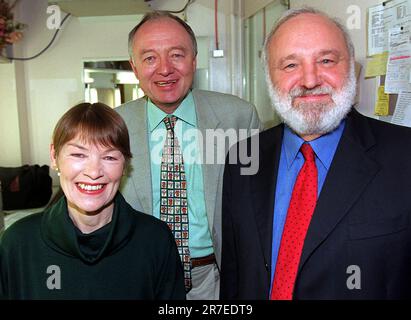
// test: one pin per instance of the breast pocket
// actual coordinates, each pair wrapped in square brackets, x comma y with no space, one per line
[378,228]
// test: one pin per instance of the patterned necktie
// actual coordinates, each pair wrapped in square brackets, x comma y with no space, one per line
[300,211]
[173,196]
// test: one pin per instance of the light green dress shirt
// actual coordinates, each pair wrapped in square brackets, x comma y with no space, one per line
[200,243]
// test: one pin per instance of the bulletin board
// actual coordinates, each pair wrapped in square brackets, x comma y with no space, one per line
[389,58]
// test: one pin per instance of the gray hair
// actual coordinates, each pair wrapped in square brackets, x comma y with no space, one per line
[289,14]
[157,15]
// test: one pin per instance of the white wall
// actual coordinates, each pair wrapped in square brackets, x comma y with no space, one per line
[256,84]
[252,6]
[338,9]
[52,83]
[48,85]
[10,154]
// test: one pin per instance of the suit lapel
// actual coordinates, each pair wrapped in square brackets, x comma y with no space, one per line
[350,172]
[263,186]
[207,119]
[141,157]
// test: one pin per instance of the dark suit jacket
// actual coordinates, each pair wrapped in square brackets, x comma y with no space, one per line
[362,219]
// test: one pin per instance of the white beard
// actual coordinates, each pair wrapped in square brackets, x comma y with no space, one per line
[314,118]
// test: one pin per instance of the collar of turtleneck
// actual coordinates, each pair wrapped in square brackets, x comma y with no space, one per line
[60,233]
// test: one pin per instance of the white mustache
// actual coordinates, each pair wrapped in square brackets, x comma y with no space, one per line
[298,92]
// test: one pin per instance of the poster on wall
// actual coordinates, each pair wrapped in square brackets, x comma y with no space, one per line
[402,114]
[382,18]
[399,60]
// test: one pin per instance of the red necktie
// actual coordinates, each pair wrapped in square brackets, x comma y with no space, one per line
[300,210]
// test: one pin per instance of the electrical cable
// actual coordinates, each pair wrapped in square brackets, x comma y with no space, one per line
[61,24]
[182,10]
[14,4]
[48,46]
[216,23]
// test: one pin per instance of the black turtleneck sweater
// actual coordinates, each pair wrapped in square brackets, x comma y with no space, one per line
[44,256]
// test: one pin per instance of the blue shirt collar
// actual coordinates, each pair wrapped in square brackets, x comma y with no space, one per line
[324,146]
[185,112]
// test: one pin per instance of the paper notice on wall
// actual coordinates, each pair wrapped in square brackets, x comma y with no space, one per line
[381,18]
[382,104]
[399,60]
[377,65]
[402,113]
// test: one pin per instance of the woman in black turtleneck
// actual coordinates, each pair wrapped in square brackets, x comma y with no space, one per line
[90,244]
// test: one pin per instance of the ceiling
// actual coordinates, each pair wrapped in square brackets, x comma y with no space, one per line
[87,8]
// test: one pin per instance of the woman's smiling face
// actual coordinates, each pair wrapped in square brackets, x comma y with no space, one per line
[90,175]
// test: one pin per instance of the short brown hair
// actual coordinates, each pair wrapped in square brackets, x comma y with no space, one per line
[95,123]
[155,15]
